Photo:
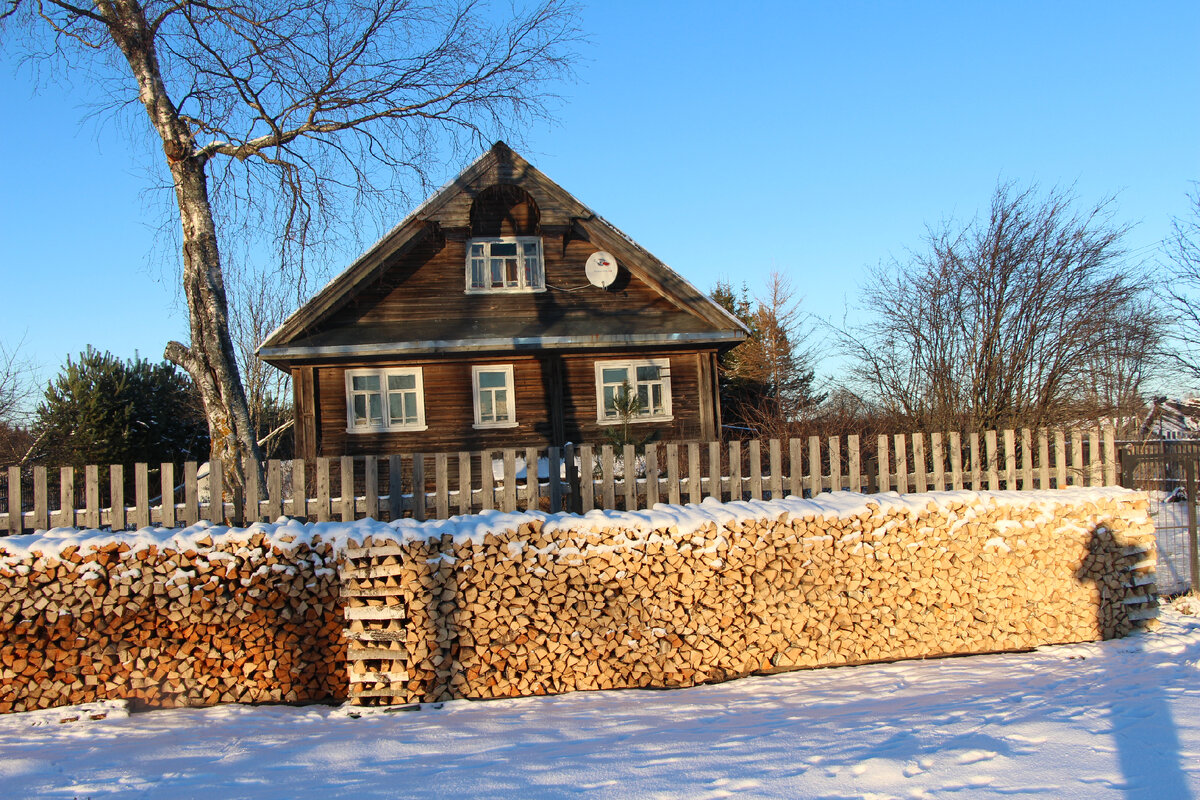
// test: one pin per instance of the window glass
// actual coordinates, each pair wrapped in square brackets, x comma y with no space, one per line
[509,263]
[388,399]
[649,381]
[366,383]
[494,404]
[491,380]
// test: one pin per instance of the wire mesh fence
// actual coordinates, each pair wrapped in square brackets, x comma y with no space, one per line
[1168,471]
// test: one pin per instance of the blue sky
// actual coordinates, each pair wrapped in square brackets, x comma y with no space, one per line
[813,138]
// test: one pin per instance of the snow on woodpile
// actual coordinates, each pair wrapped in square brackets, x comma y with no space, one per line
[546,603]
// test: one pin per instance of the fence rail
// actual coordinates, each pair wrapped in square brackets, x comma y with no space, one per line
[577,478]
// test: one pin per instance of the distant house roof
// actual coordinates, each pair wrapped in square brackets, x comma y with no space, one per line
[1172,419]
[696,318]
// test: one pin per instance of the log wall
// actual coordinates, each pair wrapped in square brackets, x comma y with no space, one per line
[507,604]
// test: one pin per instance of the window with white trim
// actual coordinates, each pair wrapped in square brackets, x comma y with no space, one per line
[505,264]
[382,400]
[649,380]
[495,402]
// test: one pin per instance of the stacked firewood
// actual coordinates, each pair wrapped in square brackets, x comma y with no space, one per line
[248,621]
[569,603]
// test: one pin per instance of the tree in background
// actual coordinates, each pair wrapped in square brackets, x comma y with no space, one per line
[1181,291]
[17,389]
[767,383]
[1031,316]
[290,117]
[102,410]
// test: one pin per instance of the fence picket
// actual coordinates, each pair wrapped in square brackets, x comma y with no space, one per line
[1043,459]
[735,470]
[976,464]
[694,483]
[370,486]
[956,468]
[919,473]
[901,463]
[418,486]
[323,507]
[775,462]
[673,474]
[608,492]
[755,448]
[66,497]
[814,466]
[885,470]
[795,470]
[299,490]
[937,453]
[1077,473]
[141,494]
[395,487]
[487,481]
[274,490]
[835,464]
[510,480]
[1026,459]
[91,493]
[41,503]
[191,495]
[1010,459]
[15,518]
[346,493]
[1110,457]
[651,475]
[167,481]
[573,483]
[714,470]
[855,464]
[554,473]
[993,462]
[1060,458]
[216,492]
[1095,476]
[587,477]
[465,500]
[441,482]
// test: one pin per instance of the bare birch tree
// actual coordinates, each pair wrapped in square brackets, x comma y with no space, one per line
[294,114]
[1181,293]
[1030,316]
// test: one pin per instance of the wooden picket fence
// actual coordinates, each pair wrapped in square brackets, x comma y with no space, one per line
[577,478]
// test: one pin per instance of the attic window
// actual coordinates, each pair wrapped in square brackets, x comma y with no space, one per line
[505,264]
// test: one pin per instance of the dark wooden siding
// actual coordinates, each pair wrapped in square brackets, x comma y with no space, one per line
[449,409]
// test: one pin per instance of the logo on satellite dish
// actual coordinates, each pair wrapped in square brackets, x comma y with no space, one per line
[601,269]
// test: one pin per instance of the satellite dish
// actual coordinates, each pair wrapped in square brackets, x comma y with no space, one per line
[601,269]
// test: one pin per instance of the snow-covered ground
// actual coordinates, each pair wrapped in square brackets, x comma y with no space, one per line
[1112,719]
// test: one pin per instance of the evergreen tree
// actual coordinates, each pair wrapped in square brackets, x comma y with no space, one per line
[103,410]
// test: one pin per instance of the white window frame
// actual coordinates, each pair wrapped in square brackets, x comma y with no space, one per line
[509,386]
[630,366]
[387,426]
[523,286]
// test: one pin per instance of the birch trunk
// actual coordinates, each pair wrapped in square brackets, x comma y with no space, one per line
[209,360]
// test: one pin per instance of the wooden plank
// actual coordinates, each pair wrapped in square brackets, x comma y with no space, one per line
[167,477]
[274,489]
[714,470]
[735,470]
[573,486]
[533,489]
[694,484]
[993,461]
[920,476]
[814,466]
[1043,459]
[323,508]
[1110,456]
[554,471]
[795,469]
[91,494]
[1095,461]
[191,495]
[755,454]
[835,464]
[299,490]
[371,487]
[1077,471]
[885,470]
[66,497]
[651,475]
[441,481]
[673,474]
[510,480]
[901,463]
[775,463]
[418,486]
[629,459]
[16,522]
[855,463]
[487,481]
[608,489]
[1026,459]
[141,493]
[956,470]
[937,452]
[464,484]
[41,501]
[376,612]
[1060,459]
[346,493]
[587,478]
[976,463]
[1010,459]
[395,487]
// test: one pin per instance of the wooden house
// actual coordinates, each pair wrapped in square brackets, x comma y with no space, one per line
[474,324]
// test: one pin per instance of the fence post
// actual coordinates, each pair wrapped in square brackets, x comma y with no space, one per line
[573,479]
[15,522]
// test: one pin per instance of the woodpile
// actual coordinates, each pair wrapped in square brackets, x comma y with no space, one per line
[527,604]
[570,603]
[246,621]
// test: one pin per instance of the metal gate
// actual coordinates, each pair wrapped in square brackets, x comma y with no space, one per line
[1169,472]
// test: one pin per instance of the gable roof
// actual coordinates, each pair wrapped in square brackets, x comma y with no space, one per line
[702,320]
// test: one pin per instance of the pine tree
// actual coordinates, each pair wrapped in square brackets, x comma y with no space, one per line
[102,410]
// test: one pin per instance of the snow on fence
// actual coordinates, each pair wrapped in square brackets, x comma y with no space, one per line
[574,478]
